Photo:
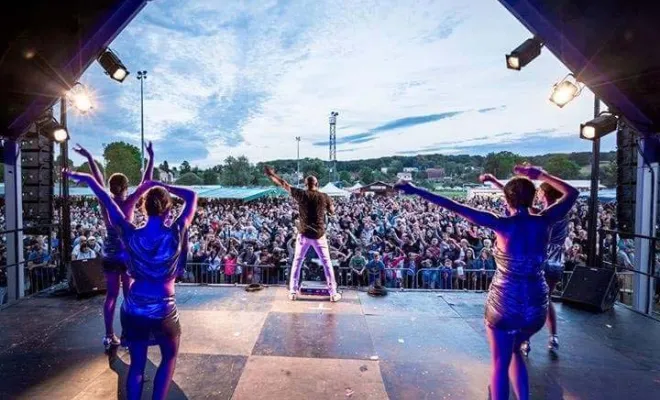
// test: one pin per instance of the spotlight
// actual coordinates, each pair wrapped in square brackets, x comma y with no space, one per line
[565,90]
[598,127]
[79,98]
[113,65]
[524,54]
[60,134]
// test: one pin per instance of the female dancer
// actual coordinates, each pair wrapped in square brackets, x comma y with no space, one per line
[554,264]
[517,303]
[153,262]
[114,256]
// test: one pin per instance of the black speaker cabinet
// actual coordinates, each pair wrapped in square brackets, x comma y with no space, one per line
[88,276]
[594,289]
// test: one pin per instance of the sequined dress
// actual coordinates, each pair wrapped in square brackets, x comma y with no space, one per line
[518,295]
[155,259]
[554,265]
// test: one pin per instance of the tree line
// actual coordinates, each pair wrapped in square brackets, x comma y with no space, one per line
[458,169]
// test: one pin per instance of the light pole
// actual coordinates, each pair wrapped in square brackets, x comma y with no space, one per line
[592,229]
[298,161]
[142,75]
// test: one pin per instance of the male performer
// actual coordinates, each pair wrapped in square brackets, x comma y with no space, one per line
[312,207]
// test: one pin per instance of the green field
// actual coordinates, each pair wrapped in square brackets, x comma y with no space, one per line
[452,193]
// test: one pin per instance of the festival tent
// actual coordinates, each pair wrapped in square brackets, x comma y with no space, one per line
[355,187]
[333,191]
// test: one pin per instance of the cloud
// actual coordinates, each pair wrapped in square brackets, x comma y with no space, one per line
[245,77]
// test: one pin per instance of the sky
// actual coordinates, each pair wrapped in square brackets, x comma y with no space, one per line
[407,77]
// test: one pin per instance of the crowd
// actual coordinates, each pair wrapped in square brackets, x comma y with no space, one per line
[394,241]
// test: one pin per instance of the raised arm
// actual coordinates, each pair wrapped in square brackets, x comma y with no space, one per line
[144,185]
[270,172]
[149,171]
[96,173]
[188,196]
[564,204]
[475,216]
[491,178]
[115,215]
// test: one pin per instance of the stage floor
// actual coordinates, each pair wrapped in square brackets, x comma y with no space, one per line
[260,345]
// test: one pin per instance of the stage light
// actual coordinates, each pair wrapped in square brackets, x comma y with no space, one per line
[598,127]
[79,97]
[60,134]
[565,90]
[524,54]
[113,65]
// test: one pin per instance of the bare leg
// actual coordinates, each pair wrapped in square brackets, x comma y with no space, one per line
[501,348]
[126,282]
[518,371]
[135,379]
[169,349]
[112,279]
[551,319]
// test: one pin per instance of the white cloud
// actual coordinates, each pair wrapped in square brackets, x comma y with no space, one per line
[270,71]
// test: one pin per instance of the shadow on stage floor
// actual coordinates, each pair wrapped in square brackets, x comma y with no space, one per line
[260,345]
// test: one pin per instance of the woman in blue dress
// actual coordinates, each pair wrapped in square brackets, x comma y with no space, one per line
[114,255]
[517,302]
[154,253]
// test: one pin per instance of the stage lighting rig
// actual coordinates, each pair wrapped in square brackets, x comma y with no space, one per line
[113,65]
[79,97]
[566,90]
[598,127]
[524,54]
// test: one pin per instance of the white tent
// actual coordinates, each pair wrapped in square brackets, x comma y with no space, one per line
[355,187]
[333,191]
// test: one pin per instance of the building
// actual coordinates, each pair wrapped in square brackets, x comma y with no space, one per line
[435,174]
[165,177]
[384,170]
[411,169]
[378,188]
[406,176]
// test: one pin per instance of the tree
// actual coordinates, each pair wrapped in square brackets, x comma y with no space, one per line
[237,171]
[123,158]
[345,176]
[189,179]
[501,164]
[164,166]
[185,168]
[86,169]
[366,176]
[210,177]
[395,167]
[608,174]
[562,166]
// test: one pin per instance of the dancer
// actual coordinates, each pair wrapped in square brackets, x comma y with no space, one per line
[312,207]
[114,256]
[554,264]
[153,259]
[517,303]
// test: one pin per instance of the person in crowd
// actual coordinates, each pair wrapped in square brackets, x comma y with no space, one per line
[358,265]
[375,269]
[84,251]
[517,303]
[114,256]
[154,249]
[313,206]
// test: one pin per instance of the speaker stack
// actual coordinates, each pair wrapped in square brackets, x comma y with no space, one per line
[38,180]
[626,178]
[87,276]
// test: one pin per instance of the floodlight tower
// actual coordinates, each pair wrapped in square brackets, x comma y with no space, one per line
[333,146]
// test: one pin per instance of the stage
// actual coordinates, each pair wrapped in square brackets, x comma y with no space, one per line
[239,345]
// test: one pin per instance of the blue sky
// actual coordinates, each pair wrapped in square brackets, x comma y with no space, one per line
[407,77]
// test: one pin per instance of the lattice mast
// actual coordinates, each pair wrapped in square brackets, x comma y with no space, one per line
[332,165]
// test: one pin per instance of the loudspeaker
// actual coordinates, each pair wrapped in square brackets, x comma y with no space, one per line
[626,178]
[594,289]
[87,276]
[38,180]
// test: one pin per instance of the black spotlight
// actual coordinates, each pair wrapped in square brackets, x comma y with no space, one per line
[113,65]
[524,54]
[598,127]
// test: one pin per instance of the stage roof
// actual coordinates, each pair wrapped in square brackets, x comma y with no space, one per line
[611,45]
[608,44]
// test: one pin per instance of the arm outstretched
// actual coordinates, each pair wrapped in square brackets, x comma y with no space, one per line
[270,172]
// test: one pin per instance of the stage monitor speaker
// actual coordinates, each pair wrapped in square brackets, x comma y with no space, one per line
[594,289]
[87,276]
[626,178]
